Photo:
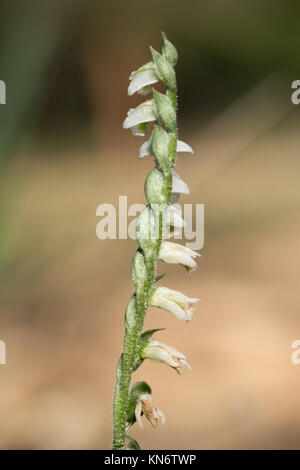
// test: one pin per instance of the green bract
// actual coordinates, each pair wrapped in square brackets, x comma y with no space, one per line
[169,51]
[165,110]
[164,70]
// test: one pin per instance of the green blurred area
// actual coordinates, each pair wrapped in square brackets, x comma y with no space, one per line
[63,152]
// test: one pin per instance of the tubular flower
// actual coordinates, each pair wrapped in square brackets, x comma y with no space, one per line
[141,79]
[174,302]
[138,118]
[160,352]
[146,406]
[174,253]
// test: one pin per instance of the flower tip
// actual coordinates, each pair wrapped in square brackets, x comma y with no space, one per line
[185,364]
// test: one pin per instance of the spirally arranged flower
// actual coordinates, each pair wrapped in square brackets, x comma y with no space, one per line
[175,253]
[141,80]
[138,118]
[159,220]
[174,302]
[160,352]
[146,406]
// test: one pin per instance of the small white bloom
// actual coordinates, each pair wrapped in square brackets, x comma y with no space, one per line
[141,79]
[145,149]
[173,301]
[178,185]
[145,405]
[174,253]
[137,118]
[183,147]
[160,352]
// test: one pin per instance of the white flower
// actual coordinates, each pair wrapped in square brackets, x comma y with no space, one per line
[146,147]
[174,253]
[173,301]
[145,405]
[183,147]
[141,79]
[178,185]
[137,118]
[160,352]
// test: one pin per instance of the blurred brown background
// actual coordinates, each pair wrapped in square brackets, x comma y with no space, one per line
[63,152]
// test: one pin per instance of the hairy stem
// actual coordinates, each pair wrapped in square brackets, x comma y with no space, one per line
[132,331]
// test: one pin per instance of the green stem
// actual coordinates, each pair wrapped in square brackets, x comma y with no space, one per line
[135,314]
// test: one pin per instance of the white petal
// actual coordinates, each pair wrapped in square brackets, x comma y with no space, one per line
[173,295]
[145,149]
[183,248]
[183,147]
[143,77]
[138,413]
[176,257]
[178,185]
[185,364]
[143,113]
[158,354]
[176,253]
[170,349]
[174,308]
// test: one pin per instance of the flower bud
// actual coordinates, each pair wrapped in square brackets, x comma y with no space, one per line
[164,69]
[160,147]
[154,187]
[130,314]
[147,229]
[169,51]
[165,111]
[139,270]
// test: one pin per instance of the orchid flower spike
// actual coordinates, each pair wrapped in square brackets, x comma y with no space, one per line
[174,253]
[157,351]
[159,220]
[174,302]
[146,406]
